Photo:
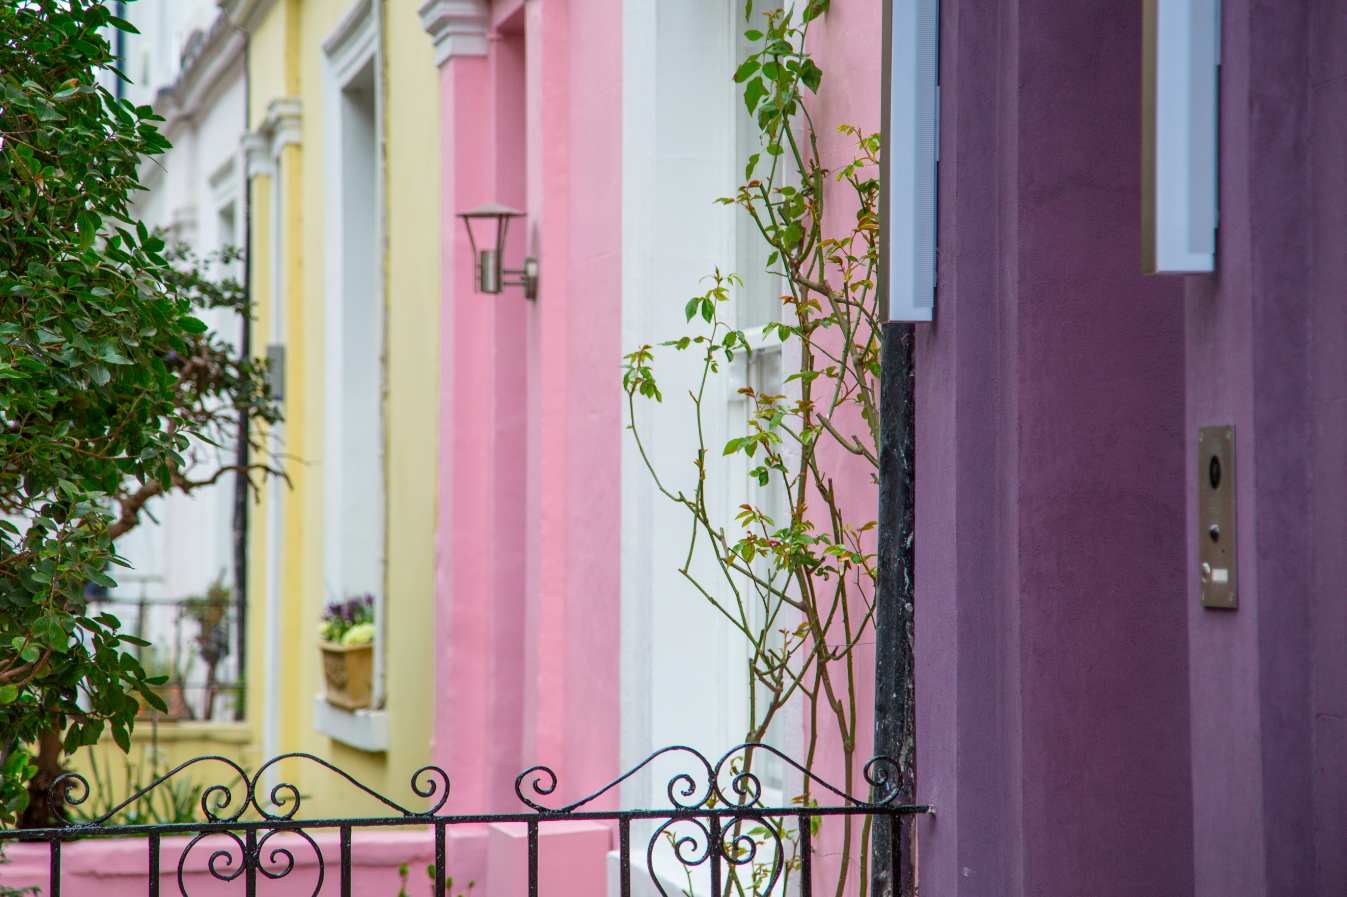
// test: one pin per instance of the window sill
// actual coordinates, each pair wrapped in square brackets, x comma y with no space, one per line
[365,730]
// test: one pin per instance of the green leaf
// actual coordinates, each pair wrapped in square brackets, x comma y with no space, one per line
[122,25]
[815,8]
[746,70]
[119,735]
[192,325]
[754,91]
[99,374]
[752,164]
[154,700]
[8,694]
[811,75]
[753,35]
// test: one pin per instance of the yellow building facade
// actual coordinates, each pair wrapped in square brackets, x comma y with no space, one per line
[343,166]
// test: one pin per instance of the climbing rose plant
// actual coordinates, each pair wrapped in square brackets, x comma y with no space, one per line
[797,587]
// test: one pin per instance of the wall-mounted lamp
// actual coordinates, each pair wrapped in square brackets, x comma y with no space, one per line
[490,276]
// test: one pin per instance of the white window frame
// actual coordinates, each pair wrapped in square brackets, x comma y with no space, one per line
[1179,168]
[910,111]
[356,42]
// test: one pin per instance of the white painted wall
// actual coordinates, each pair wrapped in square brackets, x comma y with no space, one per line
[196,191]
[686,136]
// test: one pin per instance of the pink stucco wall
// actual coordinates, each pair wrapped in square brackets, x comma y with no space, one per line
[484,860]
[527,542]
[846,44]
[117,867]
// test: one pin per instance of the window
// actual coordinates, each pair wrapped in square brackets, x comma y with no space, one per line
[354,431]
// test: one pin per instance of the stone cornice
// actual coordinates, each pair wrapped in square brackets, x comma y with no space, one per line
[247,14]
[349,26]
[215,56]
[458,27]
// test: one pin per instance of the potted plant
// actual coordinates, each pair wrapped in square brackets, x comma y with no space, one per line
[346,638]
[211,614]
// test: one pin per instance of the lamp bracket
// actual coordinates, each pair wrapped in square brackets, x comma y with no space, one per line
[528,278]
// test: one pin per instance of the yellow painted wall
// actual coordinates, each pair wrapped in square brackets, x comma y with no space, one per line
[158,748]
[286,60]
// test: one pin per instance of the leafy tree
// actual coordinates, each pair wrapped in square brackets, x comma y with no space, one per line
[108,382]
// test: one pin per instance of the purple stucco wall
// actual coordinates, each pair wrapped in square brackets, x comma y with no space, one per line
[1265,341]
[1052,643]
[1084,725]
[1328,471]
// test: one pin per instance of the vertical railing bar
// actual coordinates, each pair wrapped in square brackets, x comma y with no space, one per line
[896,853]
[55,867]
[250,861]
[533,858]
[713,853]
[624,845]
[439,859]
[154,865]
[345,861]
[806,856]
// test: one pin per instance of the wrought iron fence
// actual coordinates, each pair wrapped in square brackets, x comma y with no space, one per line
[724,823]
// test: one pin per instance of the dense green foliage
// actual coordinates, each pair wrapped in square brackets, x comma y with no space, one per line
[107,381]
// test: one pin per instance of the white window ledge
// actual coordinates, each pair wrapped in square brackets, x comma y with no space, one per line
[366,730]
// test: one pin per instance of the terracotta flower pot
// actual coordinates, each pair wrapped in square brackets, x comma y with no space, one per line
[349,673]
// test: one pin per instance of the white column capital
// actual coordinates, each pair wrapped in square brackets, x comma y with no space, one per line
[256,153]
[283,126]
[284,123]
[458,27]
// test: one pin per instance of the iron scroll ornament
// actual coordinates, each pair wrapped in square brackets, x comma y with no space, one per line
[427,782]
[719,806]
[712,840]
[881,773]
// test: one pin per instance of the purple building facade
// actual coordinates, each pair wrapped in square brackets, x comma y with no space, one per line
[1085,725]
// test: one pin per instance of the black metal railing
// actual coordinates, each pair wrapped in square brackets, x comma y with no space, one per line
[197,644]
[725,822]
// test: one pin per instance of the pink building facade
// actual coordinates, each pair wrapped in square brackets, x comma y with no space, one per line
[564,636]
[530,423]
[528,582]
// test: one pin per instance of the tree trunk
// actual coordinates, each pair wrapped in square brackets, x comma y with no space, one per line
[49,769]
